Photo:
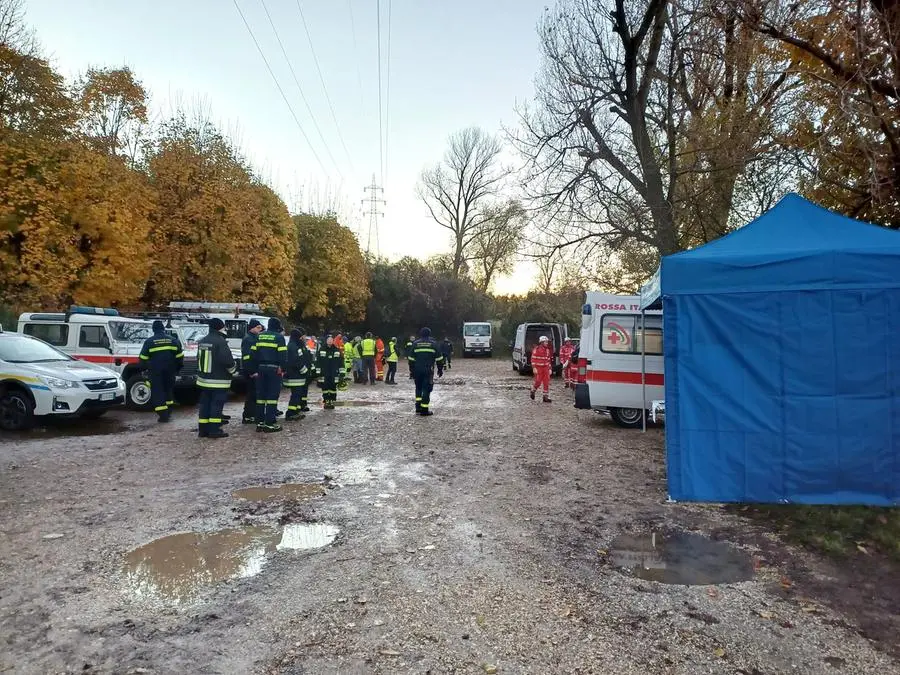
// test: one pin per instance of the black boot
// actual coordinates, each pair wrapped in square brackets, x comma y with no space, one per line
[218,433]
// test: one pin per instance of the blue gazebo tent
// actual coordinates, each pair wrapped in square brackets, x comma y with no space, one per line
[782,361]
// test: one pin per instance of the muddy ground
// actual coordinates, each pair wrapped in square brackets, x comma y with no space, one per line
[483,539]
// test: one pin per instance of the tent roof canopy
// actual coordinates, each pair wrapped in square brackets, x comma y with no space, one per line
[795,245]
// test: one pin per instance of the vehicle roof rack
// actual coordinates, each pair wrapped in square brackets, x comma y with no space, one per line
[196,305]
[177,316]
[47,316]
[84,309]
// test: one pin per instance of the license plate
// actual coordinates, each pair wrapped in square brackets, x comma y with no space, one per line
[107,397]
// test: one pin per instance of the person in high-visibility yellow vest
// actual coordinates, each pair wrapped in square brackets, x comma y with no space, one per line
[349,355]
[391,358]
[368,351]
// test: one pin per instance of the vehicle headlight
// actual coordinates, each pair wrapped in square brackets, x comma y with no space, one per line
[58,383]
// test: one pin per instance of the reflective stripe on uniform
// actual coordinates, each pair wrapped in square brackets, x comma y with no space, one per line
[160,408]
[263,401]
[144,357]
[294,383]
[213,384]
[166,348]
[203,420]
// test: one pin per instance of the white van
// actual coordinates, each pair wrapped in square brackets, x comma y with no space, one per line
[609,358]
[477,338]
[527,336]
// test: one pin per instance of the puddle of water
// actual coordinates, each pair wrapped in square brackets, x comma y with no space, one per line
[681,558]
[178,567]
[306,536]
[265,493]
[357,404]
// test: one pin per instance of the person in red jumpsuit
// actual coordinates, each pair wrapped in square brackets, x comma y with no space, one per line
[379,359]
[565,355]
[542,364]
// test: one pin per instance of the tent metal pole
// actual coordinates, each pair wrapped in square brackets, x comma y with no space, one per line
[643,371]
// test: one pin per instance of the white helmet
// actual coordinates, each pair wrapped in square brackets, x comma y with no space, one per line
[544,338]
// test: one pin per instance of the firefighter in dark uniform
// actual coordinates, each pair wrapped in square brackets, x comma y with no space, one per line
[254,328]
[330,364]
[307,359]
[163,357]
[268,359]
[425,355]
[215,368]
[407,349]
[297,374]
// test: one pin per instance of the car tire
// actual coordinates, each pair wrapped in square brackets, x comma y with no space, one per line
[137,393]
[627,418]
[16,411]
[489,354]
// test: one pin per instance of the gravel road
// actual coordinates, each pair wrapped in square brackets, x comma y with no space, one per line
[487,538]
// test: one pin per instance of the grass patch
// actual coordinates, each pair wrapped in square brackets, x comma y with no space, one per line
[838,531]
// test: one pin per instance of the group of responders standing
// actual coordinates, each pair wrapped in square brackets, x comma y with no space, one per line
[268,363]
[366,357]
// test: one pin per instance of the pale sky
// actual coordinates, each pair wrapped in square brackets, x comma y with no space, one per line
[452,65]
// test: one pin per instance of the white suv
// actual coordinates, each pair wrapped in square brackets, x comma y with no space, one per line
[38,380]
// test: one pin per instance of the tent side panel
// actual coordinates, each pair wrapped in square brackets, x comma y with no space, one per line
[841,396]
[670,365]
[726,358]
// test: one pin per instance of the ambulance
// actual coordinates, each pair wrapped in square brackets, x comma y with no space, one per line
[615,345]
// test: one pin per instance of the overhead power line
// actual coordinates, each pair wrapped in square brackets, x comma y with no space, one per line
[280,90]
[387,104]
[324,88]
[300,89]
[356,55]
[380,122]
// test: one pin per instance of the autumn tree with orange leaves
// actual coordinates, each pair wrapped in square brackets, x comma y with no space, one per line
[846,128]
[97,208]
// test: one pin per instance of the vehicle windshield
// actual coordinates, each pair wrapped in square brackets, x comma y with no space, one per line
[22,349]
[127,331]
[194,333]
[477,330]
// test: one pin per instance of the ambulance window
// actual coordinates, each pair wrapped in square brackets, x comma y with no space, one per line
[93,337]
[652,333]
[622,334]
[617,335]
[56,334]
